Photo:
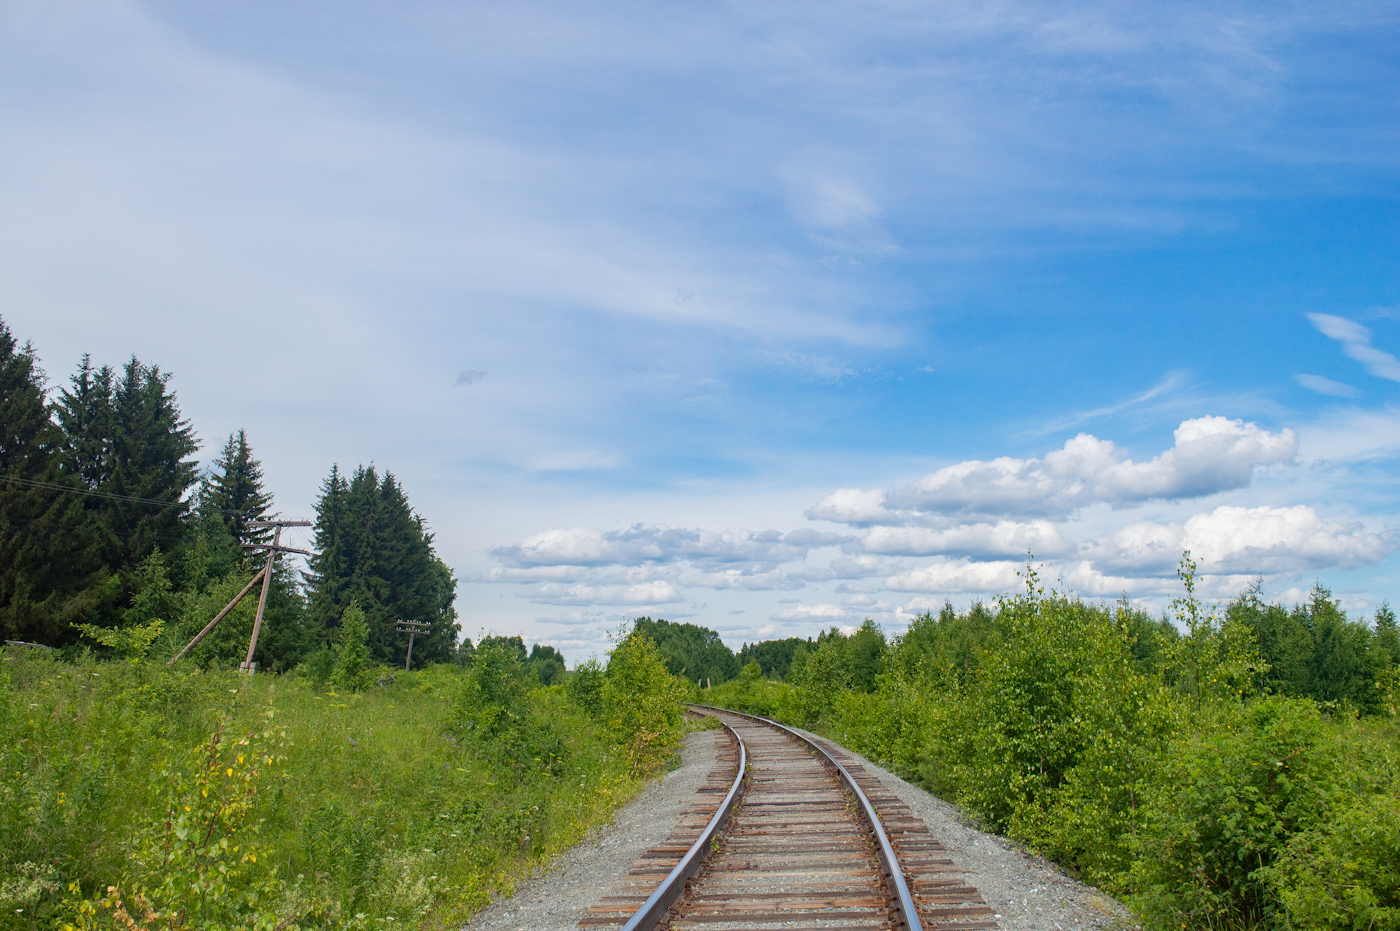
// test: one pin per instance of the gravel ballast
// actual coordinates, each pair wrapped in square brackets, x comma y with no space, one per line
[1027,892]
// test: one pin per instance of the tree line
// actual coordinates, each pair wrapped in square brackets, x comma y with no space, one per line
[112,537]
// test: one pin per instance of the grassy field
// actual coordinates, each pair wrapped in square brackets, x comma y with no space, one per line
[136,795]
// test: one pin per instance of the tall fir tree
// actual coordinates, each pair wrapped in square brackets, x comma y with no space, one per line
[372,549]
[39,522]
[125,437]
[235,488]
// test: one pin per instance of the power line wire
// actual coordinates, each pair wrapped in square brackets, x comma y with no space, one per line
[149,502]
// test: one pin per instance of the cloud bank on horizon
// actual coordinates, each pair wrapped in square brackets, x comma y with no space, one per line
[970,528]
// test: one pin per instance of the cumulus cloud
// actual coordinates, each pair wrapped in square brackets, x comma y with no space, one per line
[949,575]
[1210,455]
[818,612]
[855,507]
[647,543]
[745,580]
[1244,541]
[647,593]
[978,541]
[1356,343]
[470,376]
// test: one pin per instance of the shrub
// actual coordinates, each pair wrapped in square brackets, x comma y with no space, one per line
[353,668]
[643,702]
[584,687]
[1343,874]
[494,715]
[1227,802]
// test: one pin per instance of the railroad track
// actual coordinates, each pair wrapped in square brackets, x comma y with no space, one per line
[788,834]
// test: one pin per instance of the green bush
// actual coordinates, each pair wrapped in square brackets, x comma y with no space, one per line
[642,702]
[493,713]
[1344,873]
[584,686]
[353,668]
[1227,802]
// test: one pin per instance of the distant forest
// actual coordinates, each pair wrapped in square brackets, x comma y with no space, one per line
[112,538]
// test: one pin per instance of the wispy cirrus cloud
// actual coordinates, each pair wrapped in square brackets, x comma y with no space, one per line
[1356,343]
[1171,382]
[1323,385]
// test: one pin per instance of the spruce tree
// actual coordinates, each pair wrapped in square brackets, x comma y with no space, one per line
[353,667]
[1387,637]
[124,440]
[236,489]
[124,437]
[375,551]
[39,522]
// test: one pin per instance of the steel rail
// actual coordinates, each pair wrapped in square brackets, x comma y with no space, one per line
[904,900]
[659,902]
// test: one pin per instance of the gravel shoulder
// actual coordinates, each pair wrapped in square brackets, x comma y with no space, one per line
[556,898]
[1028,892]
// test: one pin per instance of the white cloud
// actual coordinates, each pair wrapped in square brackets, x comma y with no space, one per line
[1210,455]
[818,612]
[1356,343]
[947,575]
[1245,541]
[855,507]
[1352,435]
[1087,579]
[1004,538]
[745,580]
[808,367]
[1172,381]
[648,593]
[647,543]
[1325,386]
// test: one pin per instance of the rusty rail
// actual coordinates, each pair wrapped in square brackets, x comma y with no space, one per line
[894,874]
[659,902]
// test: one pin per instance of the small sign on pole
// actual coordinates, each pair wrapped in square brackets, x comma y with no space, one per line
[411,628]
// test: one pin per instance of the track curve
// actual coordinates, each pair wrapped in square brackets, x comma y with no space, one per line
[808,840]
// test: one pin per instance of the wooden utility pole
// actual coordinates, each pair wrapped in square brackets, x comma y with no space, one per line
[273,550]
[264,575]
[411,628]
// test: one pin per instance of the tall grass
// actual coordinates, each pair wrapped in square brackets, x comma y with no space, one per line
[135,795]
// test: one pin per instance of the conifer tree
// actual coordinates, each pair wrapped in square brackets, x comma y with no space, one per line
[125,437]
[353,669]
[39,522]
[373,549]
[236,489]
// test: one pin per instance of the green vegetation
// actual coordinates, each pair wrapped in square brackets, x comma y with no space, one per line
[135,794]
[691,652]
[374,551]
[1239,768]
[111,539]
[333,793]
[774,657]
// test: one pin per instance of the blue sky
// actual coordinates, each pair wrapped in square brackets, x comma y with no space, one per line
[768,316]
